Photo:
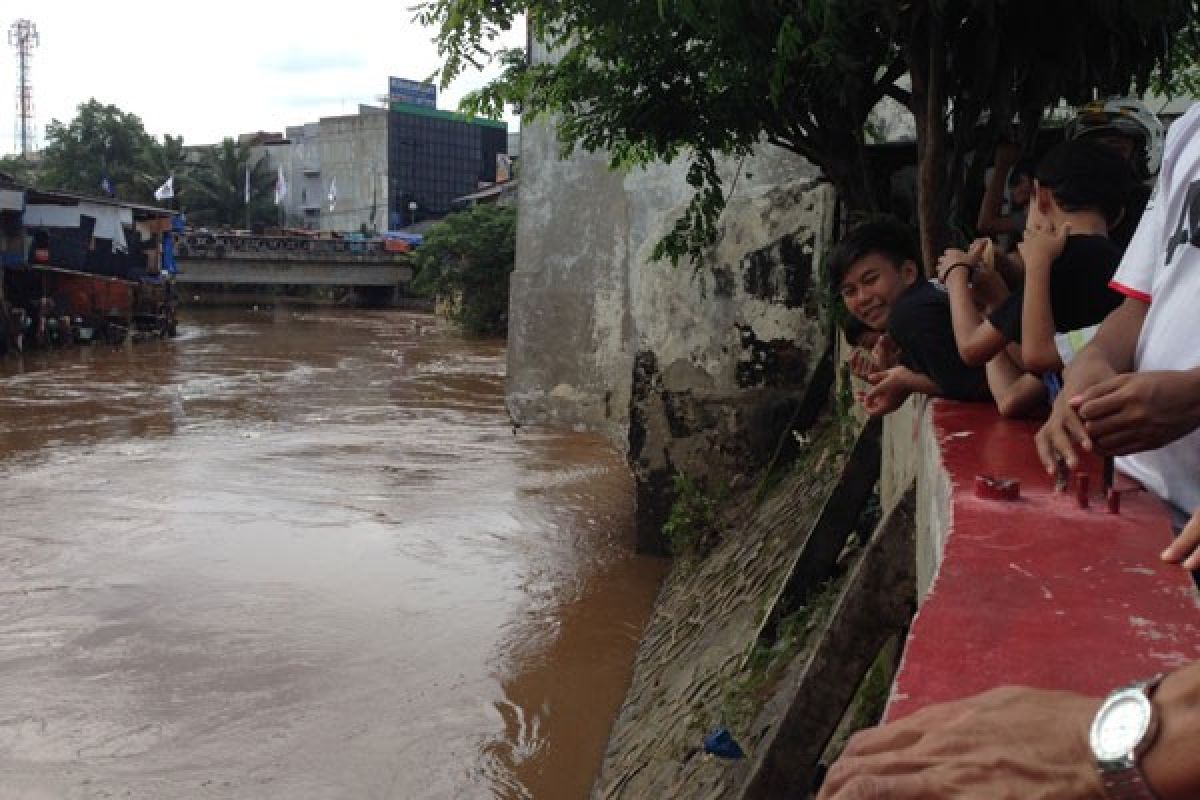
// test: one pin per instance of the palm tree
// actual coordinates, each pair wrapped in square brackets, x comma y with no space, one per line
[215,191]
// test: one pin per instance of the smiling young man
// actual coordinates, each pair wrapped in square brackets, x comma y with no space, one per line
[876,270]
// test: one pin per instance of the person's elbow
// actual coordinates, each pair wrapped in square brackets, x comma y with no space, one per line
[974,353]
[1021,399]
[1011,406]
[1040,358]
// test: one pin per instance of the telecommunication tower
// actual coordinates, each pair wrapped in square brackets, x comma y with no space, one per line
[23,36]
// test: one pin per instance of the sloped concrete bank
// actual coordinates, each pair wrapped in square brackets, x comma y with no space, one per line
[768,635]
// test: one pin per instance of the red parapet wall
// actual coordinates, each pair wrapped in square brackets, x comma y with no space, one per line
[1039,591]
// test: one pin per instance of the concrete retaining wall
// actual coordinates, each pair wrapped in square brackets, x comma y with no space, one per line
[686,369]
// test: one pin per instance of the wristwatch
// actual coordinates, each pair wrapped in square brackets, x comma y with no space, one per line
[1122,731]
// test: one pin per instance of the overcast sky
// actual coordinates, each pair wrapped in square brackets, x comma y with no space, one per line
[218,68]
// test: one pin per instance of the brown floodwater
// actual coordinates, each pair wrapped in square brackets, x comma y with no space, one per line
[303,554]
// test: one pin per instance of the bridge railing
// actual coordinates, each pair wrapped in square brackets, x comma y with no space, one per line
[234,246]
[1036,587]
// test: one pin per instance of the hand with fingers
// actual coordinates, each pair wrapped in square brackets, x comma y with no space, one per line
[954,260]
[862,363]
[1139,411]
[1064,433]
[1009,742]
[889,389]
[1042,243]
[886,352]
[1185,550]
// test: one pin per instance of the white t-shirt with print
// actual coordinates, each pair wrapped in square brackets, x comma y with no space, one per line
[1162,267]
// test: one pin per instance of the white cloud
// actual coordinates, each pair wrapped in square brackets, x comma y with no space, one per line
[219,68]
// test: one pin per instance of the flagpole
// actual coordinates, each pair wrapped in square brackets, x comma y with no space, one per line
[247,193]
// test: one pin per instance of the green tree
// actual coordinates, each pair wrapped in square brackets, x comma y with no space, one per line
[1182,78]
[215,190]
[662,79]
[101,140]
[469,256]
[19,169]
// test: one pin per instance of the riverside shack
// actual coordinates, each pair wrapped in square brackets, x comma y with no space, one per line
[78,267]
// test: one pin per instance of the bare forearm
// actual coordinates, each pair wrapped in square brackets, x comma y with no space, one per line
[990,220]
[1111,351]
[976,338]
[1038,353]
[919,382]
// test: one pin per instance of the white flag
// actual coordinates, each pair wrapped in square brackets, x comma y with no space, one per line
[280,186]
[247,183]
[166,191]
[332,194]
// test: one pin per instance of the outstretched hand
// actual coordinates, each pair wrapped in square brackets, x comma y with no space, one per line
[889,389]
[1010,742]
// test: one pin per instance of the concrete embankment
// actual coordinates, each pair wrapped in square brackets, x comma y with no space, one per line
[767,635]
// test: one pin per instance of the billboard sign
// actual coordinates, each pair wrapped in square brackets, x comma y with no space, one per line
[413,92]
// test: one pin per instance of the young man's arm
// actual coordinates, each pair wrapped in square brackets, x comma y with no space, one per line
[977,338]
[1015,742]
[1015,391]
[891,387]
[1040,248]
[1109,353]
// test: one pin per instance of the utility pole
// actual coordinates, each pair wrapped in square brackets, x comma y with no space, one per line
[23,36]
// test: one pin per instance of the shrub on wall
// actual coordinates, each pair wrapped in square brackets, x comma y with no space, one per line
[469,256]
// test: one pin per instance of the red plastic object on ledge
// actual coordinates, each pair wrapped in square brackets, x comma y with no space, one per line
[990,488]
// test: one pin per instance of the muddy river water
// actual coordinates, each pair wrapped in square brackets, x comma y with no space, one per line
[303,554]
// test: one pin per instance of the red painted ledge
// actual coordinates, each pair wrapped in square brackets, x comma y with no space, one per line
[1038,591]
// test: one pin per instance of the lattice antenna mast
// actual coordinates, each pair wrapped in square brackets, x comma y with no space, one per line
[23,36]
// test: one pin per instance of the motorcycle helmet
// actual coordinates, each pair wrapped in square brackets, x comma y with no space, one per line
[1125,117]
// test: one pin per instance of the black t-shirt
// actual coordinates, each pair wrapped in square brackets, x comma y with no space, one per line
[921,327]
[1079,291]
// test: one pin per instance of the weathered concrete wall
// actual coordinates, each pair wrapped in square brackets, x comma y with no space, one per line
[912,457]
[693,370]
[570,327]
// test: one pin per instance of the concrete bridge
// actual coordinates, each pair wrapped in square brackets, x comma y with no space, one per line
[208,259]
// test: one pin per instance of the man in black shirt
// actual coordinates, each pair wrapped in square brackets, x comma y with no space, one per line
[876,271]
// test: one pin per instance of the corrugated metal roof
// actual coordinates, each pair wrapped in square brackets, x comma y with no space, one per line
[50,195]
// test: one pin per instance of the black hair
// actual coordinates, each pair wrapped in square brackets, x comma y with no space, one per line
[887,236]
[1084,175]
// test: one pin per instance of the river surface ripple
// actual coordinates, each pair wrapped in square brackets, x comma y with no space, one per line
[302,554]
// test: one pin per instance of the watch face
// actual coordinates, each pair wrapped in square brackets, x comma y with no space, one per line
[1121,726]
